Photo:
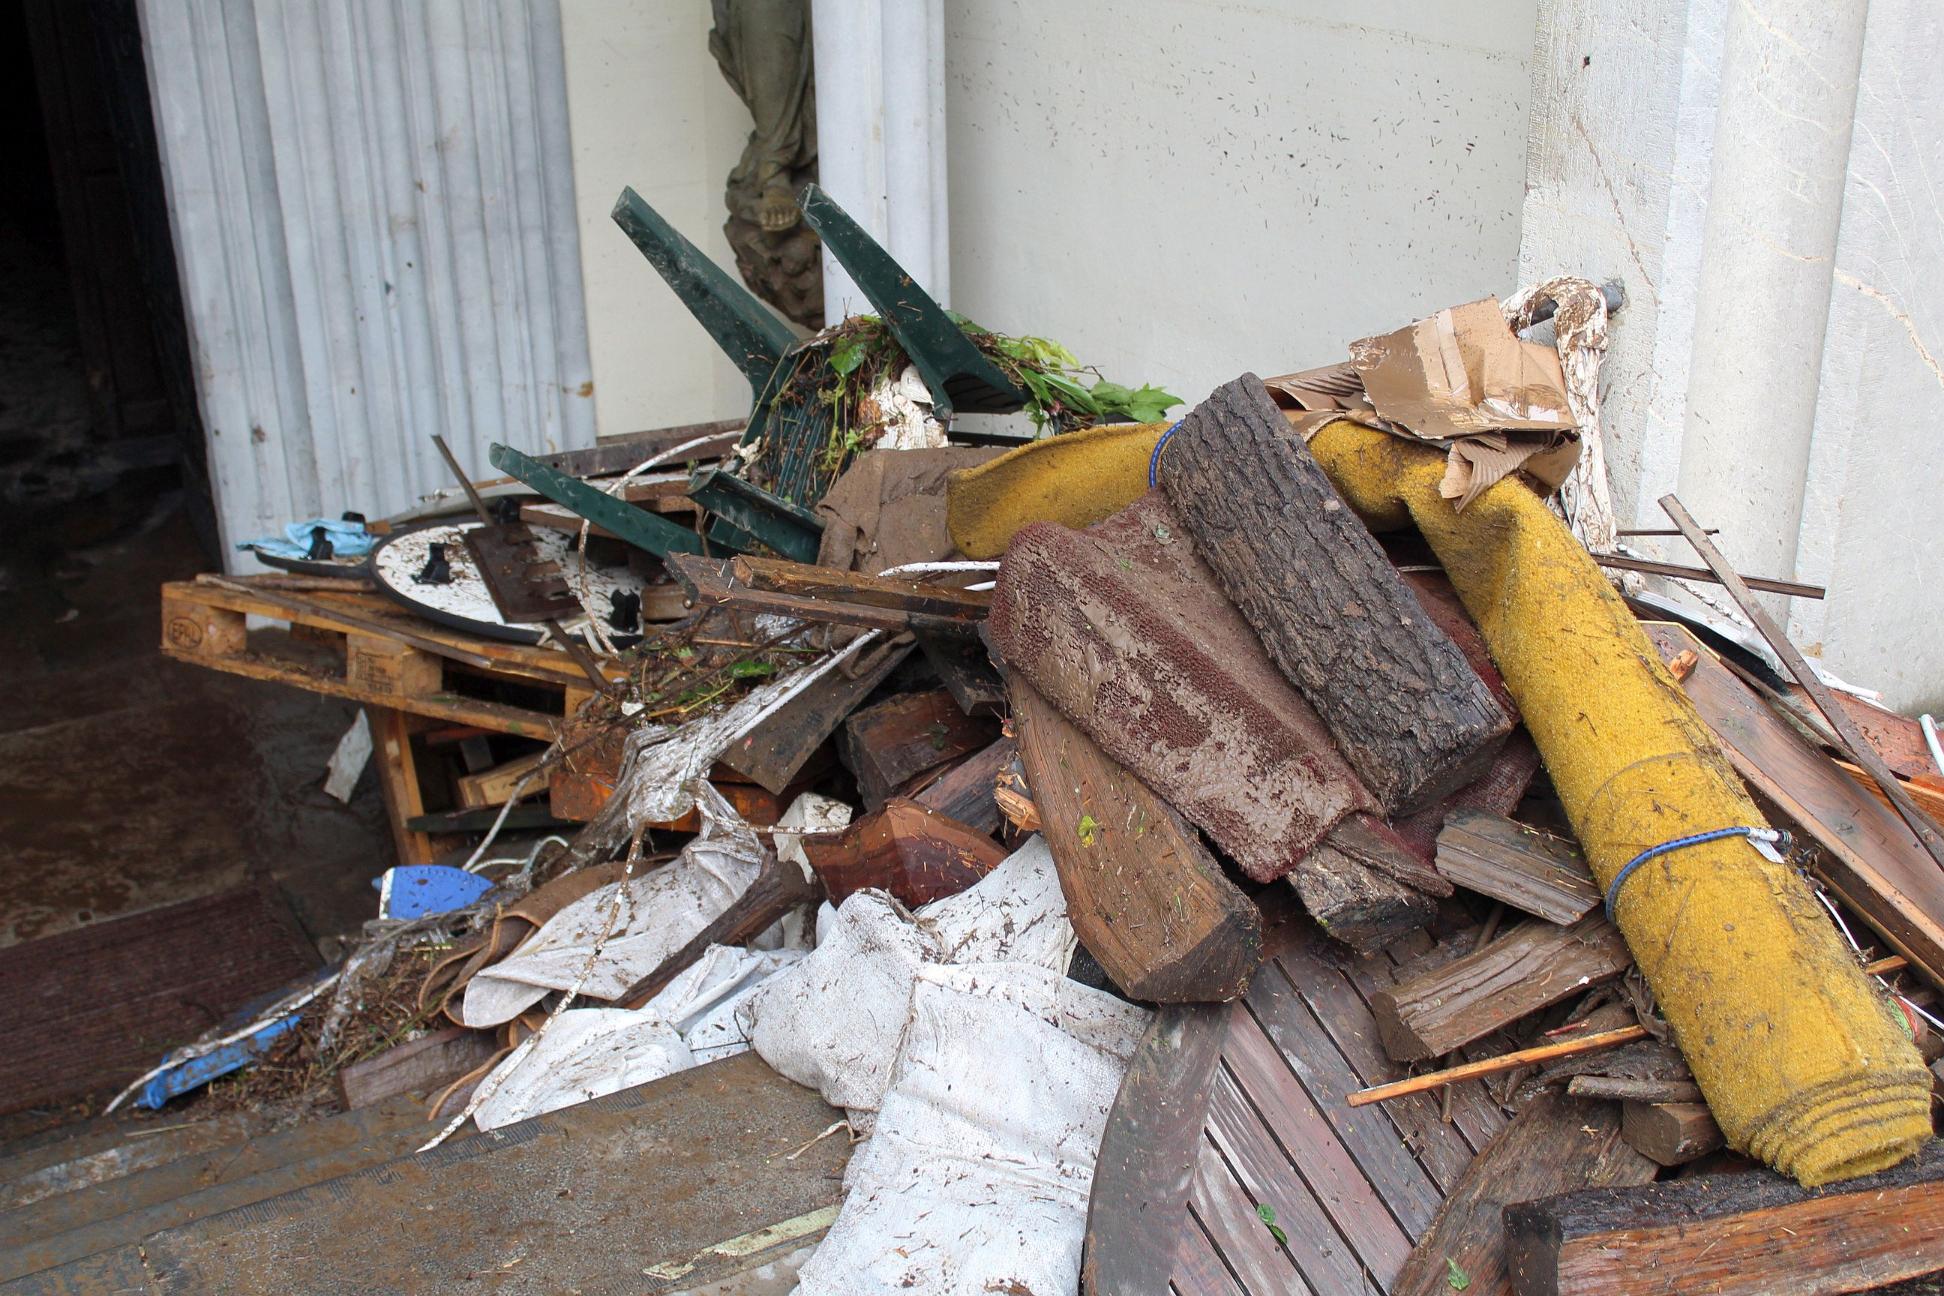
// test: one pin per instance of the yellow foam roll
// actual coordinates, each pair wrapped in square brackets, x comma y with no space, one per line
[1804,1063]
[1075,479]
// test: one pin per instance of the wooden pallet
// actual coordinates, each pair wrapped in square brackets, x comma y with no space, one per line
[362,646]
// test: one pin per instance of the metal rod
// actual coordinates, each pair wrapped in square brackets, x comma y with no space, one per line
[1859,747]
[1769,584]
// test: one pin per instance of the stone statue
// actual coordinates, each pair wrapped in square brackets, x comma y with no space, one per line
[763,47]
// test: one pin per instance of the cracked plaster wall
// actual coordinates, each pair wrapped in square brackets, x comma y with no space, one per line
[1779,358]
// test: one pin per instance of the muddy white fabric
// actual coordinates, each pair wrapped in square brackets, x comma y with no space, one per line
[595,1051]
[976,1178]
[660,911]
[832,1022]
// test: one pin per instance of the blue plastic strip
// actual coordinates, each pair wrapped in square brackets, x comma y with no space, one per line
[1774,835]
[1154,460]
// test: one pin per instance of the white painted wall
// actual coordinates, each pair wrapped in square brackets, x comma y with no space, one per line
[1781,357]
[648,107]
[1180,191]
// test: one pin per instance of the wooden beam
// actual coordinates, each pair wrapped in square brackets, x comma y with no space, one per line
[1645,1089]
[1532,871]
[893,742]
[1536,964]
[1928,833]
[1734,1235]
[776,751]
[821,593]
[916,854]
[1354,898]
[1407,710]
[780,887]
[1143,894]
[1669,1133]
[967,791]
[424,1065]
[495,786]
[1555,1144]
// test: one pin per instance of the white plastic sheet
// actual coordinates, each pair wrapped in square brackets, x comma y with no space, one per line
[660,911]
[977,1175]
[832,1022]
[595,1051]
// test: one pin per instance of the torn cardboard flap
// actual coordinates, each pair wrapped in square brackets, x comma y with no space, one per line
[1462,379]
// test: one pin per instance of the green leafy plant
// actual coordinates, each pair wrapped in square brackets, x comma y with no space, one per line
[1455,1278]
[1088,829]
[1267,1214]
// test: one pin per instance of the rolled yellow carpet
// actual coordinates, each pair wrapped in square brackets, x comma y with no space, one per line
[1803,1061]
[1075,479]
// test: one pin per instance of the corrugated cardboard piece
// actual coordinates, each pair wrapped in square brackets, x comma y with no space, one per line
[1461,379]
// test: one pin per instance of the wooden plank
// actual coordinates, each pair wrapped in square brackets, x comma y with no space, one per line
[1143,894]
[1768,584]
[1136,1213]
[775,751]
[1372,1140]
[1645,1089]
[194,628]
[1355,1210]
[893,742]
[1734,1235]
[1243,1136]
[1237,1232]
[618,454]
[1871,859]
[1332,999]
[916,854]
[966,791]
[1928,799]
[1537,963]
[391,670]
[1670,1134]
[424,1065]
[1556,1144]
[398,781]
[1929,836]
[845,598]
[1407,710]
[1362,885]
[495,786]
[1532,871]
[1198,1270]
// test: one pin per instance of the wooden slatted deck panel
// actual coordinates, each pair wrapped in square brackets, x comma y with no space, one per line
[1350,1188]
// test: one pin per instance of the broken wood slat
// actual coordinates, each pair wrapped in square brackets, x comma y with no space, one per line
[776,751]
[1640,1089]
[1197,1269]
[584,781]
[495,786]
[1144,895]
[966,791]
[779,888]
[1928,799]
[619,454]
[424,1065]
[1669,1133]
[1534,872]
[1929,835]
[1871,859]
[821,594]
[1734,1235]
[916,854]
[1536,964]
[891,743]
[1218,1202]
[396,765]
[1015,797]
[1406,709]
[958,654]
[1135,1213]
[1767,584]
[1554,1145]
[1364,907]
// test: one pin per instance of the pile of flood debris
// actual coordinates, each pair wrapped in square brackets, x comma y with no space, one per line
[1271,850]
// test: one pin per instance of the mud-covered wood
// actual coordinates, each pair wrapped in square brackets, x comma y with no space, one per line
[423,1065]
[1633,1089]
[1147,1153]
[891,743]
[1734,1234]
[1532,871]
[1535,964]
[1554,1145]
[916,854]
[1669,1133]
[1364,887]
[1144,895]
[1409,713]
[778,749]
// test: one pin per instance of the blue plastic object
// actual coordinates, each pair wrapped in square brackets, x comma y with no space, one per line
[200,1071]
[415,890]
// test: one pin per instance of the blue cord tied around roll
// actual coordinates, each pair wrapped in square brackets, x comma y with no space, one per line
[1154,460]
[1771,842]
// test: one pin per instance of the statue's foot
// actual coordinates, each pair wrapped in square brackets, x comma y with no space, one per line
[778,211]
